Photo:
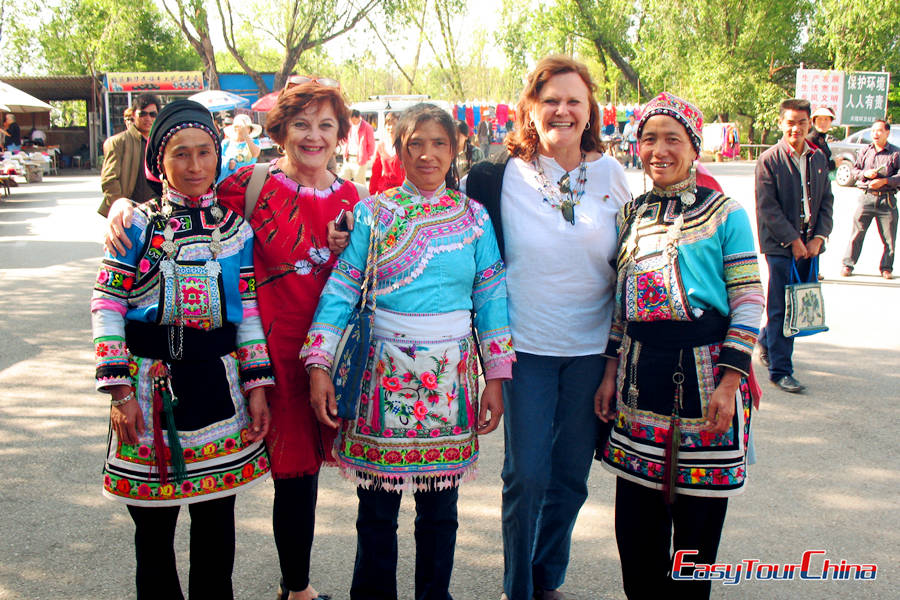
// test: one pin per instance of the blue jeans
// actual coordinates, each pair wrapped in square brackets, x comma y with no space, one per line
[550,433]
[771,337]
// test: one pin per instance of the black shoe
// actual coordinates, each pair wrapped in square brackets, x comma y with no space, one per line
[790,385]
[764,356]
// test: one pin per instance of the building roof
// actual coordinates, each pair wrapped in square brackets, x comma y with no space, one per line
[64,87]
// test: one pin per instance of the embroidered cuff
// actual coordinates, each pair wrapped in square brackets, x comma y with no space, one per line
[735,359]
[256,369]
[501,371]
[112,359]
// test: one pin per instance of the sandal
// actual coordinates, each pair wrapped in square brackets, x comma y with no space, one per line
[284,594]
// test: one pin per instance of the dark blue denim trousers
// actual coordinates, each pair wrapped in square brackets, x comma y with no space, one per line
[550,433]
[771,336]
[375,571]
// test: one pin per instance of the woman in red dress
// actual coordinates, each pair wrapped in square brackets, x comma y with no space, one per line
[291,221]
[387,170]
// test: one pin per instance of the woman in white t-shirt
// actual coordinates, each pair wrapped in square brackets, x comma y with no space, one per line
[554,204]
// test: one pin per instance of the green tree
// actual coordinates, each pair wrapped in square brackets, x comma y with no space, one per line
[80,37]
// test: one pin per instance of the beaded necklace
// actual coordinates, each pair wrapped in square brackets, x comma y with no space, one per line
[168,265]
[562,195]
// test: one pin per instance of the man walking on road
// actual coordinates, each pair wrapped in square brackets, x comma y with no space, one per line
[794,207]
[359,151]
[122,175]
[877,174]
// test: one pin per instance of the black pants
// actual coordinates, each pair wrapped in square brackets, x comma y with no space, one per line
[884,210]
[212,550]
[294,521]
[644,534]
[375,571]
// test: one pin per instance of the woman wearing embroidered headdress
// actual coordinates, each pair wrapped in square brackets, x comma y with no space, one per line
[417,419]
[298,199]
[180,349]
[677,385]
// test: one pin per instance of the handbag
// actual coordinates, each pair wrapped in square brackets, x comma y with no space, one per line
[804,305]
[352,354]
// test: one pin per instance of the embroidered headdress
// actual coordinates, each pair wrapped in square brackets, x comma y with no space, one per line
[174,117]
[681,110]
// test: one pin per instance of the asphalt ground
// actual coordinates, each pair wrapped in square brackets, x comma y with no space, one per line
[827,476]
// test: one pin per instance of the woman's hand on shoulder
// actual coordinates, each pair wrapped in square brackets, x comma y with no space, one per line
[120,214]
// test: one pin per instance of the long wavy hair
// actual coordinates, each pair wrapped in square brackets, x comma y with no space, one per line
[523,142]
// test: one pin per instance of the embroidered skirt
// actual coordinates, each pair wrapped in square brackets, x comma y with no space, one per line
[708,464]
[416,419]
[211,419]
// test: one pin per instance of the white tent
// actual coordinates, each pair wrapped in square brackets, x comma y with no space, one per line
[17,101]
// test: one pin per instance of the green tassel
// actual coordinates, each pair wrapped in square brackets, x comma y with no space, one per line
[177,461]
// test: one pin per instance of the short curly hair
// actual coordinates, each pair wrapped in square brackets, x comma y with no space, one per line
[297,99]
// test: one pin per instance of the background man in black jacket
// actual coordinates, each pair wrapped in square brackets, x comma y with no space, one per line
[794,207]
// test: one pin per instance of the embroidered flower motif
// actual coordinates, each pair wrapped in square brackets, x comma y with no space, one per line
[127,283]
[229,479]
[451,454]
[319,256]
[209,449]
[435,432]
[432,454]
[187,487]
[420,410]
[248,470]
[495,348]
[413,456]
[143,451]
[208,483]
[263,463]
[102,276]
[388,433]
[466,452]
[365,430]
[457,430]
[243,286]
[303,267]
[355,450]
[157,241]
[392,457]
[429,380]
[412,432]
[373,455]
[144,265]
[392,384]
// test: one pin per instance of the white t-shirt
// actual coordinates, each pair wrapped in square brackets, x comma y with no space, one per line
[353,140]
[561,278]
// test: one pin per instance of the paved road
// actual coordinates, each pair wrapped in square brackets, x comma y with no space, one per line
[827,476]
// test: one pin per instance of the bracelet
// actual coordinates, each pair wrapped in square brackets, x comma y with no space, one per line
[312,366]
[123,400]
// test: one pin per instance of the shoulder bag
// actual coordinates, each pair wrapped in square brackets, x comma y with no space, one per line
[804,305]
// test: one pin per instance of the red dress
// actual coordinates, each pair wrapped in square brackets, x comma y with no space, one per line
[387,171]
[292,263]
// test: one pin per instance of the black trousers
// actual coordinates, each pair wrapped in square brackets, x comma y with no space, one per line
[212,550]
[375,571]
[644,534]
[294,522]
[884,211]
